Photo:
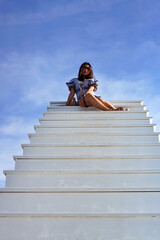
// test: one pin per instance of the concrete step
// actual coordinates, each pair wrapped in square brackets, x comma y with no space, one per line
[77,190]
[84,178]
[81,215]
[93,138]
[96,122]
[77,150]
[78,108]
[79,226]
[86,163]
[91,115]
[123,103]
[94,129]
[63,202]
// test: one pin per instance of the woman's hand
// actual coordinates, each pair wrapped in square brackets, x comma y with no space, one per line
[81,102]
[70,97]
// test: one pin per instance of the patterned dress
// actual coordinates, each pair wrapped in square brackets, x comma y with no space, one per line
[80,87]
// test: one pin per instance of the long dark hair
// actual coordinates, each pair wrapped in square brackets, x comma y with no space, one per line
[81,77]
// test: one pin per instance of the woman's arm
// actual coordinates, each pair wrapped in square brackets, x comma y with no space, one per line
[70,97]
[90,90]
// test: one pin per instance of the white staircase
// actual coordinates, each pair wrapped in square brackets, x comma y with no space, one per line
[86,175]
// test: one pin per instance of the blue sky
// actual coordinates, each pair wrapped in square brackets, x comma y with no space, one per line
[43,43]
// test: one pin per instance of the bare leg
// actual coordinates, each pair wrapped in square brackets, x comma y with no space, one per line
[91,100]
[99,103]
[109,105]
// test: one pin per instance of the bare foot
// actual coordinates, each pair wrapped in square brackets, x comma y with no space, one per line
[119,109]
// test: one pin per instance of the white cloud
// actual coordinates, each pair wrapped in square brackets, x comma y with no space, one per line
[13,133]
[8,148]
[53,10]
[131,89]
[16,126]
[38,78]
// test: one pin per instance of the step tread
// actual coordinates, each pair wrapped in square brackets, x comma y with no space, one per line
[87,157]
[151,171]
[62,105]
[76,189]
[120,101]
[93,134]
[81,215]
[149,119]
[90,145]
[98,126]
[91,109]
[95,112]
[97,118]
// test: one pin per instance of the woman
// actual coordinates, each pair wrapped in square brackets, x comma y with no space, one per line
[83,87]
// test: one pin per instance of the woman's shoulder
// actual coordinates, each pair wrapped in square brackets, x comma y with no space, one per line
[73,79]
[72,82]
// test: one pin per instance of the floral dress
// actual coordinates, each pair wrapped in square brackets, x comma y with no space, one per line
[80,87]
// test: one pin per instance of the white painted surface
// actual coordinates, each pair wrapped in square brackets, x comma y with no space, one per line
[96,122]
[89,150]
[73,108]
[80,202]
[126,103]
[94,178]
[53,164]
[93,138]
[92,115]
[86,174]
[96,129]
[48,228]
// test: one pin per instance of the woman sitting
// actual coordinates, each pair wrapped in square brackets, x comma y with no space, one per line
[83,87]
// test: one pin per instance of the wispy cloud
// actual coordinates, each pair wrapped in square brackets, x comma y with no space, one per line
[130,88]
[13,133]
[50,11]
[8,148]
[16,126]
[36,77]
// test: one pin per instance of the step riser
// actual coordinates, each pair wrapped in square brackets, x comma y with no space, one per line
[95,122]
[80,228]
[104,130]
[113,102]
[81,202]
[91,164]
[83,180]
[79,109]
[91,151]
[94,139]
[70,116]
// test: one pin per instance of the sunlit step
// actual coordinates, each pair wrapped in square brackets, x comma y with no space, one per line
[89,150]
[97,215]
[126,103]
[93,138]
[64,108]
[88,122]
[78,190]
[84,178]
[92,202]
[94,129]
[86,163]
[92,115]
[79,226]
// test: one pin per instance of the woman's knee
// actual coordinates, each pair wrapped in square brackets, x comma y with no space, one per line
[88,96]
